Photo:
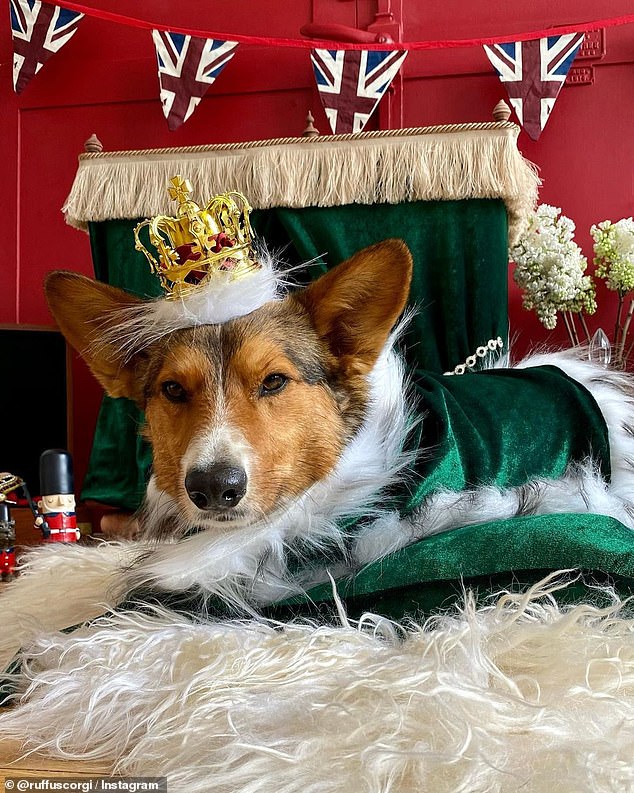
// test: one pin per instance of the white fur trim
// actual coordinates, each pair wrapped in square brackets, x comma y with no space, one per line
[224,298]
[614,393]
[581,490]
[61,585]
[517,695]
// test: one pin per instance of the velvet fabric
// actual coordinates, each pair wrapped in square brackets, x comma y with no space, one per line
[459,286]
[120,458]
[433,573]
[502,427]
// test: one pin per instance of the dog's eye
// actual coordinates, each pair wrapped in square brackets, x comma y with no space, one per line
[174,391]
[273,383]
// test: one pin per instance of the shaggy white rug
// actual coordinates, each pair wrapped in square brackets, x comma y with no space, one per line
[517,695]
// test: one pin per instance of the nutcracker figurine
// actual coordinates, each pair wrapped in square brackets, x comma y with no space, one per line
[7,542]
[57,503]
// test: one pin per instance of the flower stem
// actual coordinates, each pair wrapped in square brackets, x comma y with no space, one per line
[626,326]
[584,325]
[617,326]
[568,328]
[575,335]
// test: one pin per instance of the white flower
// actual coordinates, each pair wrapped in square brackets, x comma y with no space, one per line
[550,267]
[614,253]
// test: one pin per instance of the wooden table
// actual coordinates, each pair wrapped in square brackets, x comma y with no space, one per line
[38,766]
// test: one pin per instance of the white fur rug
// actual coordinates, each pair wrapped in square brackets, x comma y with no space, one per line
[517,695]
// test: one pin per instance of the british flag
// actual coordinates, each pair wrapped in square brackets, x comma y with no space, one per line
[352,82]
[39,30]
[187,66]
[533,73]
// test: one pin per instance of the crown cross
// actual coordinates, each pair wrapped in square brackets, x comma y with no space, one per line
[180,190]
[198,245]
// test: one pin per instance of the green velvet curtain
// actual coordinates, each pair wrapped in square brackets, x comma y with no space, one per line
[120,458]
[460,256]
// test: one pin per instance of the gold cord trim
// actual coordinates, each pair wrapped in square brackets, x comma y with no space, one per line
[318,140]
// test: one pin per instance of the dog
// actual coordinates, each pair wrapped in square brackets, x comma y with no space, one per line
[272,433]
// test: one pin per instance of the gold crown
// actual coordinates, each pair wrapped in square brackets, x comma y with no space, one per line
[198,243]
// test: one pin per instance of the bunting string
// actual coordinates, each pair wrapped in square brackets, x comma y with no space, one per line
[305,43]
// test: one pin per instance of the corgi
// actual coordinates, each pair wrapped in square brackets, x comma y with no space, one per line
[273,432]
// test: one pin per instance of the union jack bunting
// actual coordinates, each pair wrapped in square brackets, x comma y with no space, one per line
[187,66]
[39,30]
[352,82]
[533,73]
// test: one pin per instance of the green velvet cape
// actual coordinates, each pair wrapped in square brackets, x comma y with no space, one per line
[512,554]
[503,427]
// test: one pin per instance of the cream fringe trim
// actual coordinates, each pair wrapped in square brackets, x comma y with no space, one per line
[428,163]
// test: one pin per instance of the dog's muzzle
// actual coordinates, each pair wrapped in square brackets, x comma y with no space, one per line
[218,487]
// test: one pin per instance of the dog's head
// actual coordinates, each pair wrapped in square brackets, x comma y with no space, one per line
[245,416]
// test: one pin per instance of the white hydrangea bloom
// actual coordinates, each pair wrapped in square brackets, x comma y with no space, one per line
[614,253]
[550,267]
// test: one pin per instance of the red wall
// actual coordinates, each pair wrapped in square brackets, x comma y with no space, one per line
[104,81]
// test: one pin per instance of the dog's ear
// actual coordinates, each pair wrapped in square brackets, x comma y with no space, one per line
[84,309]
[356,304]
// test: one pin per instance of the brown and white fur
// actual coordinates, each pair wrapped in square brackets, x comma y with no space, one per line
[298,411]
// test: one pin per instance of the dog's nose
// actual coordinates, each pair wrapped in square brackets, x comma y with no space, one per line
[219,486]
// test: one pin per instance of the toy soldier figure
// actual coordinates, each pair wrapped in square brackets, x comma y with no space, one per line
[57,504]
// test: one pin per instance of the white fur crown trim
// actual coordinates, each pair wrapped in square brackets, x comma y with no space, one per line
[224,298]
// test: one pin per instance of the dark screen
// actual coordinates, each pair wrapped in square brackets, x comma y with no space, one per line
[33,404]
